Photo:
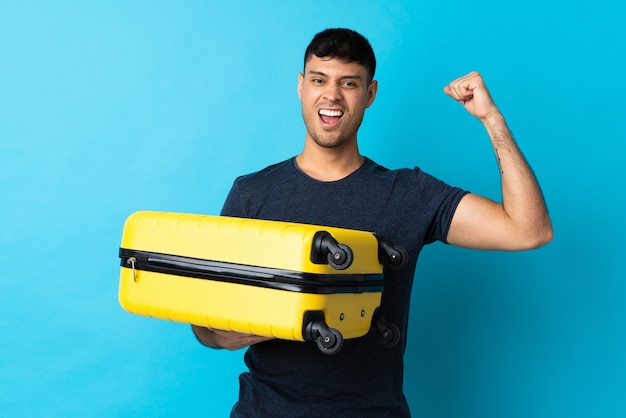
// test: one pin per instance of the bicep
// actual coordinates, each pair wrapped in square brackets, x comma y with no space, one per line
[483,224]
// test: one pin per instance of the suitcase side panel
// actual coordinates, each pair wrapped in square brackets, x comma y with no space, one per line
[252,242]
[241,308]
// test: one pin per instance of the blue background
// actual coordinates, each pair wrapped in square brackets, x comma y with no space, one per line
[111,107]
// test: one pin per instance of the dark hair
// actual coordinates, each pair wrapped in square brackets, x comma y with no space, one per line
[343,44]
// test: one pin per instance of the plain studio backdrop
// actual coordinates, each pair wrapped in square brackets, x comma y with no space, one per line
[107,108]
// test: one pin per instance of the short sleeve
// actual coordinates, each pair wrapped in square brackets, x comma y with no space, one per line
[232,204]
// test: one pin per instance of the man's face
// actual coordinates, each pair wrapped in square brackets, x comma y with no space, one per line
[334,95]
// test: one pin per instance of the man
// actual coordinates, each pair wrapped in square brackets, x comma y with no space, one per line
[331,183]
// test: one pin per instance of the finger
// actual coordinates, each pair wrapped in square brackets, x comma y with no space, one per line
[473,77]
[459,92]
[463,87]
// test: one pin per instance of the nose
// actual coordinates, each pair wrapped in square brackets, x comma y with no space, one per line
[332,92]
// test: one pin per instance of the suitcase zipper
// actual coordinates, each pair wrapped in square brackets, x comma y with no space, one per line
[249,275]
[132,261]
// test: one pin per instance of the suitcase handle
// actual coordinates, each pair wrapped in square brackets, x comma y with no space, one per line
[326,250]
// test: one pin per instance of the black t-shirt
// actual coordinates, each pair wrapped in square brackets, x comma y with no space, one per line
[364,379]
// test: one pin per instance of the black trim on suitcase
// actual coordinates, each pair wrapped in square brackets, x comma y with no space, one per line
[288,280]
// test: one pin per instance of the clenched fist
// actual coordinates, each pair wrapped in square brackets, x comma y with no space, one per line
[471,91]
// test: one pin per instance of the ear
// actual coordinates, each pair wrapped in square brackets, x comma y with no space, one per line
[372,89]
[300,81]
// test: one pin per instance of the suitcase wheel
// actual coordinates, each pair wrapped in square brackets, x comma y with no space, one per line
[340,259]
[326,249]
[388,334]
[390,255]
[329,340]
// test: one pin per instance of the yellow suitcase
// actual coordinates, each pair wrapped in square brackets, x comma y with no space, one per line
[290,281]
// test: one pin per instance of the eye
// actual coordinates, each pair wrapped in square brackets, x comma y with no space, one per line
[350,84]
[317,81]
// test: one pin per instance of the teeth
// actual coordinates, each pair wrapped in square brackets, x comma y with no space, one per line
[328,112]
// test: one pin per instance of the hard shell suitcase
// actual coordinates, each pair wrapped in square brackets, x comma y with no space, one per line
[286,280]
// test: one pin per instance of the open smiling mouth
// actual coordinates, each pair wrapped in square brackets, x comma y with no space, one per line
[330,116]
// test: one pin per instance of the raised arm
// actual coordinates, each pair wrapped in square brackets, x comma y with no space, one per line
[521,221]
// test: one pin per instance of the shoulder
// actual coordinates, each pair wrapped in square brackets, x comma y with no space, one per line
[274,171]
[250,191]
[412,185]
[415,175]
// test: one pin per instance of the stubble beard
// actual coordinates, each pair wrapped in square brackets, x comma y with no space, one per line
[329,139]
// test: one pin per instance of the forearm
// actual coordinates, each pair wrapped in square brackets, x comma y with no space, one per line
[205,336]
[229,340]
[522,200]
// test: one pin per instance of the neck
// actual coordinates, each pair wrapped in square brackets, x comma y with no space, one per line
[329,164]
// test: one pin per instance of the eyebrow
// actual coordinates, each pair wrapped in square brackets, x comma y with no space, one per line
[347,76]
